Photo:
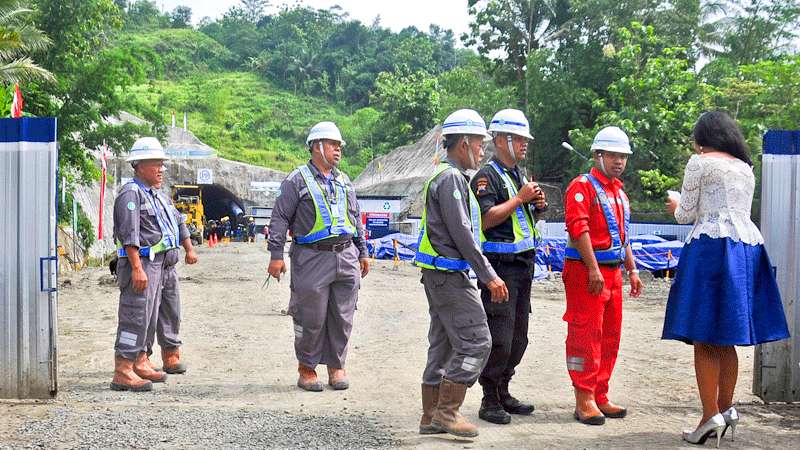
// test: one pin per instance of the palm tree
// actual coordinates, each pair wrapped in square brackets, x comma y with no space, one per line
[18,39]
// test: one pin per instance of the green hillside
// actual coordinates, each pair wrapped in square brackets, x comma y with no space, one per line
[247,119]
[243,116]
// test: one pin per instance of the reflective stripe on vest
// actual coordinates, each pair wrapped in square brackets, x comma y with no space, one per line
[615,253]
[427,257]
[329,221]
[525,236]
[169,231]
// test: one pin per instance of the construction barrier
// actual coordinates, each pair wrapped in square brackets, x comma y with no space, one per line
[651,253]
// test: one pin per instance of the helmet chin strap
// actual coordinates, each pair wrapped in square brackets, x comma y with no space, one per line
[322,153]
[603,166]
[469,153]
[510,145]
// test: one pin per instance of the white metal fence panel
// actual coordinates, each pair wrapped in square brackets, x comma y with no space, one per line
[28,164]
[776,375]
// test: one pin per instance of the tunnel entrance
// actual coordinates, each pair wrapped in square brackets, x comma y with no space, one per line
[219,202]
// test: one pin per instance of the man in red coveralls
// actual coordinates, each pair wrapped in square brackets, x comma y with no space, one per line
[597,215]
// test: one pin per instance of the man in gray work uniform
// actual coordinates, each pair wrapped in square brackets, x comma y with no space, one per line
[329,257]
[169,310]
[145,231]
[449,246]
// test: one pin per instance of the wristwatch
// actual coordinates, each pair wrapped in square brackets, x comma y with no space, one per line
[631,272]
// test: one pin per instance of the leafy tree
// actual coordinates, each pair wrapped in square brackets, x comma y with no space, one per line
[254,9]
[91,78]
[471,86]
[763,95]
[656,99]
[411,102]
[655,184]
[18,40]
[237,32]
[144,14]
[751,30]
[181,17]
[514,28]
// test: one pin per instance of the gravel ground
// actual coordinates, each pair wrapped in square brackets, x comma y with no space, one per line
[181,427]
[239,391]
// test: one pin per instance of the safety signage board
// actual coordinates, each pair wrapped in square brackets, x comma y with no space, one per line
[205,176]
[377,224]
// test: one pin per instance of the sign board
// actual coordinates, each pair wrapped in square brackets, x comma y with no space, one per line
[265,186]
[384,205]
[377,224]
[205,176]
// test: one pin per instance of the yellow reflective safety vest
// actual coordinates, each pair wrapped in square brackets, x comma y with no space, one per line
[525,235]
[331,216]
[427,257]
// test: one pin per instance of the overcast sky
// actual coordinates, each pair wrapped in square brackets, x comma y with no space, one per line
[396,15]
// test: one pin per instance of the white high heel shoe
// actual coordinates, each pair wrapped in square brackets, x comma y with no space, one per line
[731,417]
[713,426]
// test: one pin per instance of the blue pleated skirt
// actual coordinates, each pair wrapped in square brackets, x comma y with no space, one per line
[724,293]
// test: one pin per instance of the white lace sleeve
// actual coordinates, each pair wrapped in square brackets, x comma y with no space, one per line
[690,192]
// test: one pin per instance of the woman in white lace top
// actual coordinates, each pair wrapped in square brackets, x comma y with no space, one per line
[724,293]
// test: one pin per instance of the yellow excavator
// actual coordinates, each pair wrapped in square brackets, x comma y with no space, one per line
[188,200]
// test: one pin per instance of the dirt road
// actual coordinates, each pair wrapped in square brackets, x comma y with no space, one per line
[239,391]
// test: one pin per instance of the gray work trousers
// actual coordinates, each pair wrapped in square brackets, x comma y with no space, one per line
[459,336]
[324,291]
[169,310]
[138,311]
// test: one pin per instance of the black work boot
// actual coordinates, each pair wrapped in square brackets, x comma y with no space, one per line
[491,409]
[511,404]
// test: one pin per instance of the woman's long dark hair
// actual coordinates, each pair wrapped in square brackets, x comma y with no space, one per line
[717,130]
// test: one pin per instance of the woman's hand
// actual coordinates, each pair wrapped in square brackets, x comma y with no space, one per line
[671,205]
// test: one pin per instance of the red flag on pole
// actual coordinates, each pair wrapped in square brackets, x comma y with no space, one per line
[16,105]
[103,164]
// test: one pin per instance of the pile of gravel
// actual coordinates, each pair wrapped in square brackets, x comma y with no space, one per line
[181,427]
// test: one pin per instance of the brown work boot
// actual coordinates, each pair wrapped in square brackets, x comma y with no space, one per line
[612,410]
[125,379]
[142,368]
[586,410]
[337,378]
[430,398]
[150,363]
[171,356]
[308,379]
[446,417]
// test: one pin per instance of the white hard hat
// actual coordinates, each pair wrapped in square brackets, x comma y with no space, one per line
[324,130]
[510,121]
[464,121]
[146,148]
[612,139]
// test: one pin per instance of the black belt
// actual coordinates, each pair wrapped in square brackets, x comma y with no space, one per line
[525,257]
[336,247]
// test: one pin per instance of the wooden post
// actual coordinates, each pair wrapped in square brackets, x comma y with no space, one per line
[547,253]
[396,255]
[669,258]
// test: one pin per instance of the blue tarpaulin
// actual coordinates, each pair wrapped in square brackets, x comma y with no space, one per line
[383,248]
[651,252]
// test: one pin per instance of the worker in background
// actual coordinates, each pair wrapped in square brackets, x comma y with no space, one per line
[317,203]
[145,231]
[251,230]
[169,310]
[449,245]
[226,228]
[597,215]
[510,205]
